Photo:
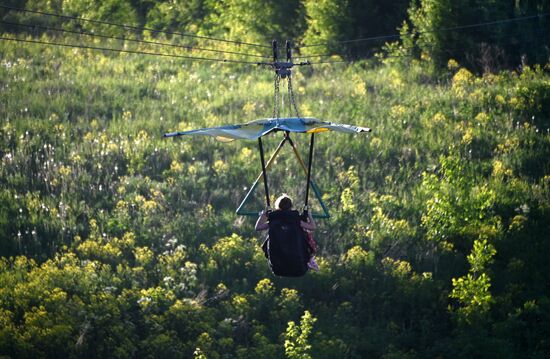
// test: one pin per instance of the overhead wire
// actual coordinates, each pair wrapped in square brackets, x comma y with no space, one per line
[367,58]
[135,28]
[448,50]
[203,58]
[454,28]
[186,47]
[323,55]
[216,39]
[198,58]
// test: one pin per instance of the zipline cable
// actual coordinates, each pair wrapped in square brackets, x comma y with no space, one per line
[129,51]
[130,27]
[454,28]
[186,47]
[173,55]
[447,50]
[196,57]
[319,55]
[244,43]
[201,58]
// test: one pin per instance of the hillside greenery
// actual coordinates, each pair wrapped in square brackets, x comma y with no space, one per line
[116,242]
[482,35]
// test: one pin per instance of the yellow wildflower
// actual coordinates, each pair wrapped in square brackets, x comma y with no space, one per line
[64,171]
[220,166]
[452,64]
[398,111]
[176,167]
[468,136]
[249,108]
[482,118]
[438,118]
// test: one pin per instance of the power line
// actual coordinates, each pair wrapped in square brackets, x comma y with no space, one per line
[454,28]
[385,56]
[204,58]
[356,60]
[130,27]
[190,57]
[315,55]
[332,62]
[349,41]
[319,55]
[129,51]
[186,47]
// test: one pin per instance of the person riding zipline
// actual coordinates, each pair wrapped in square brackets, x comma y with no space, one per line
[289,246]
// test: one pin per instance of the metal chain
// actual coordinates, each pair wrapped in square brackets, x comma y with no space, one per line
[292,99]
[282,105]
[276,113]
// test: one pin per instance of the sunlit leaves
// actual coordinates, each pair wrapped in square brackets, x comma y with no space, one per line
[297,344]
[472,290]
[462,81]
[356,258]
[457,209]
[482,255]
[129,240]
[265,288]
[117,11]
[231,257]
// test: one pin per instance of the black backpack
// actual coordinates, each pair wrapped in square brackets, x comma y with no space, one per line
[286,247]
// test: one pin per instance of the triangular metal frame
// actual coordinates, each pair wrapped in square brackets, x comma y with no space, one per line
[243,212]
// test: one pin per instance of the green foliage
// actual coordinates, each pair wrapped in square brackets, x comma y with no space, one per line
[472,291]
[259,21]
[499,44]
[114,11]
[118,243]
[296,338]
[13,17]
[177,16]
[457,210]
[434,31]
[329,22]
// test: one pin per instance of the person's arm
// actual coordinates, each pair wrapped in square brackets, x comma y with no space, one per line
[310,224]
[261,223]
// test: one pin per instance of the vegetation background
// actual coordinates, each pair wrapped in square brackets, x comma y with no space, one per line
[115,242]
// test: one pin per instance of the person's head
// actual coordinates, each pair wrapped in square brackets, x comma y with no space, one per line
[283,203]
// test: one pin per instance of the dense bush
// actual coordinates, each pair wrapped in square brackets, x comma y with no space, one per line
[482,35]
[115,242]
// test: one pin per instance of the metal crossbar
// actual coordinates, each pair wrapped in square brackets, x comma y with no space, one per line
[243,212]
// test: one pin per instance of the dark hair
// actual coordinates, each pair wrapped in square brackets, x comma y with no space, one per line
[283,203]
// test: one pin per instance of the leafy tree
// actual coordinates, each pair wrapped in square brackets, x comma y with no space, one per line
[472,291]
[457,211]
[332,22]
[258,21]
[118,243]
[488,47]
[297,337]
[177,16]
[29,18]
[114,11]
